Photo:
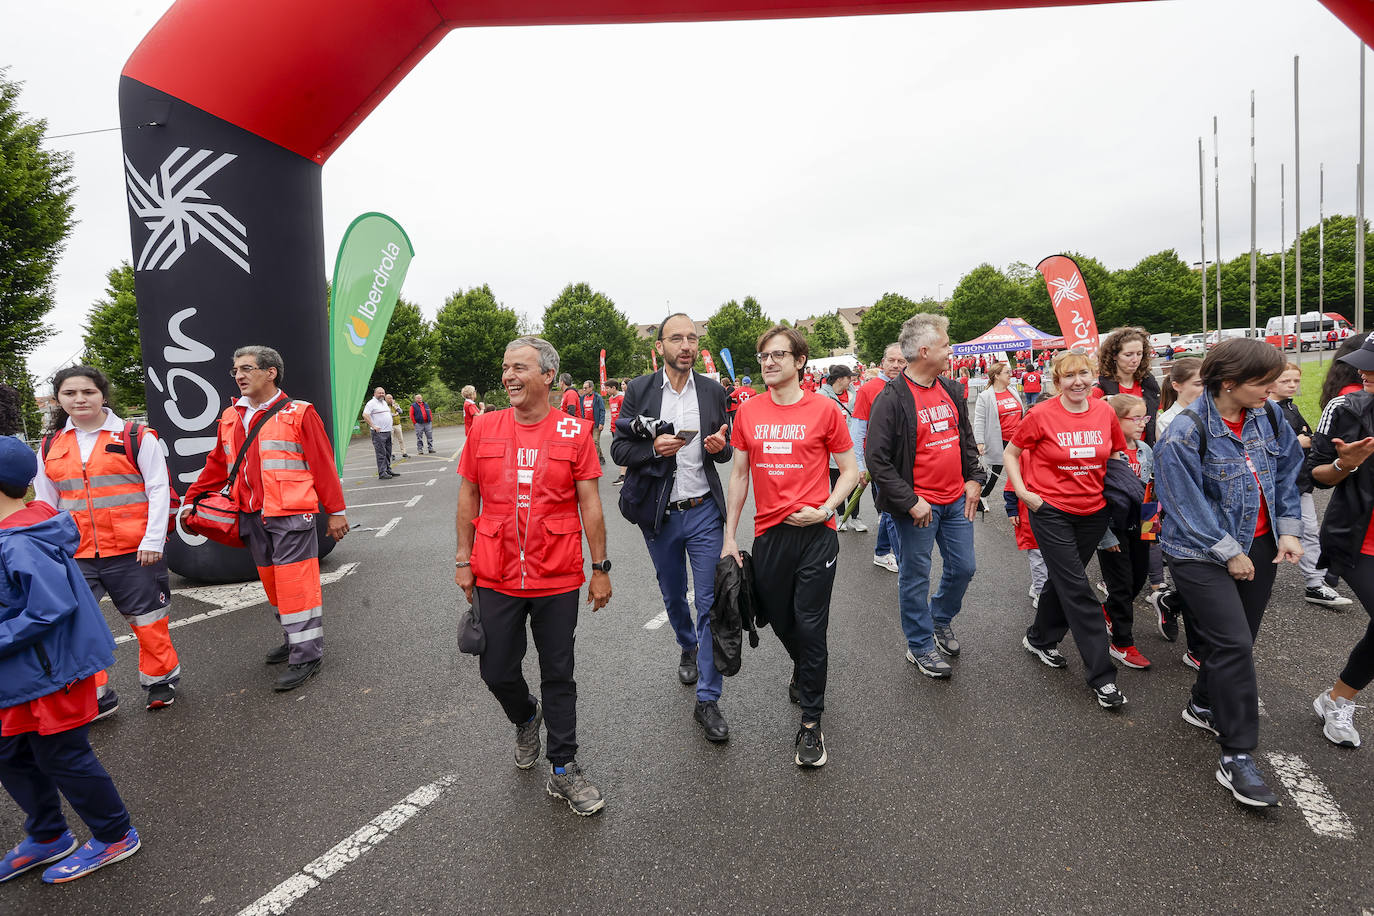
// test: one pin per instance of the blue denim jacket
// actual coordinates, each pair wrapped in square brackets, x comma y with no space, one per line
[1211,506]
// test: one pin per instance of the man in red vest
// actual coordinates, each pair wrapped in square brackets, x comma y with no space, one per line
[529,489]
[277,503]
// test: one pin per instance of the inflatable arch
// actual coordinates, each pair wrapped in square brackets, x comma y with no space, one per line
[249,99]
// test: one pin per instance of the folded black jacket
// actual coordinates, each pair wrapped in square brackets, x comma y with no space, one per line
[1352,500]
[1124,492]
[734,610]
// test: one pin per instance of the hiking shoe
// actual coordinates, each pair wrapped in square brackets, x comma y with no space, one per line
[856,525]
[945,641]
[1338,716]
[931,664]
[106,704]
[810,747]
[1129,656]
[887,561]
[1051,657]
[296,675]
[1108,697]
[160,696]
[1200,717]
[575,789]
[1241,775]
[1191,661]
[1326,596]
[527,739]
[91,856]
[30,854]
[278,656]
[1166,617]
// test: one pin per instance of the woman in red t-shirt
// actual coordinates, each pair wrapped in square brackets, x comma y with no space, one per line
[471,409]
[996,414]
[1057,463]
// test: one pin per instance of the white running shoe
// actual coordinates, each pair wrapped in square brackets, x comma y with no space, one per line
[887,561]
[856,525]
[1338,716]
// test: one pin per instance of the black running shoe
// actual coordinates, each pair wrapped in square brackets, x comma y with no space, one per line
[1108,697]
[1200,717]
[1052,657]
[161,696]
[1166,615]
[1241,775]
[810,747]
[106,704]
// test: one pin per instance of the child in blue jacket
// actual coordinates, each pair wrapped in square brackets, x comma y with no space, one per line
[53,640]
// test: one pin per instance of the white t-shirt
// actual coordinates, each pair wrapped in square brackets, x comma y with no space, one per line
[379,412]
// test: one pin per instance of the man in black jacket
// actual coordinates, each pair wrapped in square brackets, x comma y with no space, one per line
[924,460]
[691,528]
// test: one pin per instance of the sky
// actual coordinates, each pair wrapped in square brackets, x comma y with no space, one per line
[814,164]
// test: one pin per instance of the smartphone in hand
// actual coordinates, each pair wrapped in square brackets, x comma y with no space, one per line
[686,435]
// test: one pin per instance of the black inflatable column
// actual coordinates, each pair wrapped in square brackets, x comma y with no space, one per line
[228,250]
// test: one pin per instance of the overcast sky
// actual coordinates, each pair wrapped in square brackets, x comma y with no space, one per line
[813,164]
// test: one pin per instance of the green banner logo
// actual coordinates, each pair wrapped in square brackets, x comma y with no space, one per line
[373,258]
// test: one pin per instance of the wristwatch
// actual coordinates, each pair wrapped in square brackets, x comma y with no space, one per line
[829,514]
[603,566]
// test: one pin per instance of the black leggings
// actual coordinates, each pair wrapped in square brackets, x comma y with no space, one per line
[1359,668]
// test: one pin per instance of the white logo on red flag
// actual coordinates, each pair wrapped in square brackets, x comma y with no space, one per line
[1072,305]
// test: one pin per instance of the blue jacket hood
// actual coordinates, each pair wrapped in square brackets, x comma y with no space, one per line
[59,532]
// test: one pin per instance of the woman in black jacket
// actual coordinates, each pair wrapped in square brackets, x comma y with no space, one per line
[1344,440]
[1123,361]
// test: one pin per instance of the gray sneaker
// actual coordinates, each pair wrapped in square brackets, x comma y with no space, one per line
[1338,717]
[931,664]
[575,789]
[527,739]
[945,641]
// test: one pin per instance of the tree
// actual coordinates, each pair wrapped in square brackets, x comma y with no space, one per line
[405,361]
[579,324]
[112,340]
[882,323]
[983,297]
[1161,293]
[827,334]
[35,219]
[738,326]
[472,330]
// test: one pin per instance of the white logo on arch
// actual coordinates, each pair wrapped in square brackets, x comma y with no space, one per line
[178,212]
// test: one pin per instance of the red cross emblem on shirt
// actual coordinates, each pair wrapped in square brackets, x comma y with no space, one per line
[568,427]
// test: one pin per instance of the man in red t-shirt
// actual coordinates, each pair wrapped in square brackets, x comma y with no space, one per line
[886,549]
[528,473]
[783,442]
[1031,385]
[924,459]
[571,403]
[613,402]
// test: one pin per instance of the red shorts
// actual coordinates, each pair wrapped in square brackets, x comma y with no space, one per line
[59,711]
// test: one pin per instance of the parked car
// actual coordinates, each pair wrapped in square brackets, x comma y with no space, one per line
[1188,345]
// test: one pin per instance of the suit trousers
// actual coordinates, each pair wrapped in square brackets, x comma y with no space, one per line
[690,536]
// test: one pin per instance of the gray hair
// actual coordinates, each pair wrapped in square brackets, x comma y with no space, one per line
[548,356]
[266,357]
[921,330]
[893,346]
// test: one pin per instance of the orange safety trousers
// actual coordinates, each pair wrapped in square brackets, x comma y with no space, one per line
[286,553]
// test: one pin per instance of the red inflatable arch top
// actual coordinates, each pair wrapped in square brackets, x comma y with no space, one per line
[305,74]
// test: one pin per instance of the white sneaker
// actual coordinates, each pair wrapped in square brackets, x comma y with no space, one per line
[1338,716]
[842,526]
[856,525]
[887,561]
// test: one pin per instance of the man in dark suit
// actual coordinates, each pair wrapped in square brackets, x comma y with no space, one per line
[691,528]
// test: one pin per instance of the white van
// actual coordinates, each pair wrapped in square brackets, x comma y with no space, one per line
[1311,330]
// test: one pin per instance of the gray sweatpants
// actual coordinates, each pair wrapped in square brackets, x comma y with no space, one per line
[424,431]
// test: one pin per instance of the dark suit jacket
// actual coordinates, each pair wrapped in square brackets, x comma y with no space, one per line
[644,397]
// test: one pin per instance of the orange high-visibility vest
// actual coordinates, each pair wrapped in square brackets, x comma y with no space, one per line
[105,496]
[287,482]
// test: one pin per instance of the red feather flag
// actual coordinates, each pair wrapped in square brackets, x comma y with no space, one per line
[1072,306]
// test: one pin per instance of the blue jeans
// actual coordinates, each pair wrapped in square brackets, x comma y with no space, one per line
[921,611]
[694,535]
[888,541]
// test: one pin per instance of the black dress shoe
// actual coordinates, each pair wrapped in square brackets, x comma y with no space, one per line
[712,722]
[296,675]
[278,655]
[687,667]
[392,474]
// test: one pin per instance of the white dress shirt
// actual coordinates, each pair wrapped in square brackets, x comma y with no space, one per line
[152,464]
[251,410]
[681,410]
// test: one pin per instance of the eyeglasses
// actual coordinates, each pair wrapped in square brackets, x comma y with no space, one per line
[775,355]
[1139,419]
[242,370]
[678,340]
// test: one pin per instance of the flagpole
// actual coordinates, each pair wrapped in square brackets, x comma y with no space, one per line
[1359,212]
[1202,211]
[1297,207]
[1283,266]
[1253,193]
[1321,250]
[1216,212]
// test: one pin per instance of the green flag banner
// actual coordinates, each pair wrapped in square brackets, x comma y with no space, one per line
[373,258]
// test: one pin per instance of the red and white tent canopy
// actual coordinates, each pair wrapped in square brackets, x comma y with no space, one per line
[1009,334]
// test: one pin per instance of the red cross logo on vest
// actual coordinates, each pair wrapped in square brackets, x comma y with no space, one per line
[568,427]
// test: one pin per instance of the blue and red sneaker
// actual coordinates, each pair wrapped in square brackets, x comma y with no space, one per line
[31,854]
[91,856]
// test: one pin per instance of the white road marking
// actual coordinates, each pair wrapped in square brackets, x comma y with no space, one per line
[432,481]
[280,898]
[386,486]
[1324,816]
[233,597]
[661,617]
[386,529]
[413,500]
[393,502]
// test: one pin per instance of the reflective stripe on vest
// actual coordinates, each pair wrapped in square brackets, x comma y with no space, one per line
[105,496]
[287,483]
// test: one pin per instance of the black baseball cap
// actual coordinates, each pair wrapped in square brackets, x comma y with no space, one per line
[1362,358]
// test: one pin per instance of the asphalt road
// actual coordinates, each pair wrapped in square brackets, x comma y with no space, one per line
[386,785]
